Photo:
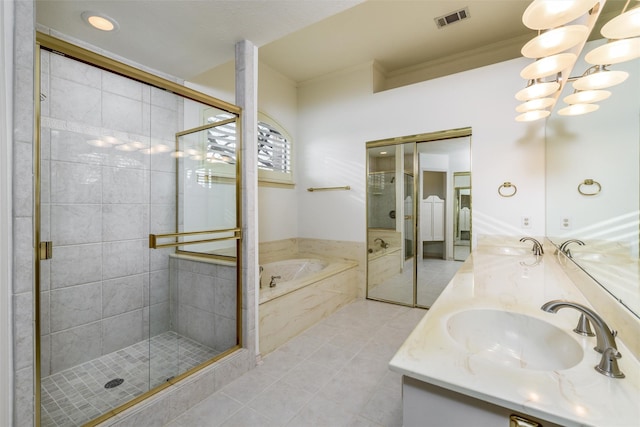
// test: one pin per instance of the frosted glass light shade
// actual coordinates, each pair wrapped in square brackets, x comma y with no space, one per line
[555,41]
[543,14]
[587,96]
[535,104]
[600,80]
[623,26]
[548,66]
[537,90]
[530,116]
[614,52]
[577,109]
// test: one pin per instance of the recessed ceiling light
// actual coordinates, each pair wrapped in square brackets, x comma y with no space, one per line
[100,21]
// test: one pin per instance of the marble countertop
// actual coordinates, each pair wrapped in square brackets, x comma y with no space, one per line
[521,283]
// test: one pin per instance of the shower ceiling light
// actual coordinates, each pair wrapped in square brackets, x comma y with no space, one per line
[554,41]
[623,26]
[535,104]
[547,66]
[530,116]
[587,96]
[536,89]
[614,52]
[100,21]
[543,14]
[598,77]
[577,109]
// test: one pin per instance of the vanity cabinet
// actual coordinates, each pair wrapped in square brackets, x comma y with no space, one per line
[425,405]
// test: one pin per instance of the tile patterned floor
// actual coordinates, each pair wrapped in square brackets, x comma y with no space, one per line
[334,374]
[77,395]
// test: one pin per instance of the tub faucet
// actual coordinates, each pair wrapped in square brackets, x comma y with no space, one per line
[383,244]
[537,246]
[565,246]
[605,337]
[272,283]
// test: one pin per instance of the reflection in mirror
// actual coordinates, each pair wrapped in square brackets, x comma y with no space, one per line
[444,238]
[418,216]
[390,223]
[593,185]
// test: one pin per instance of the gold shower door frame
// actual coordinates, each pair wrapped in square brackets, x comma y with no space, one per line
[44,250]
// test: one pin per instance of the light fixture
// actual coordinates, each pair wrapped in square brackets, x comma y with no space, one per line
[623,26]
[535,104]
[537,89]
[554,41]
[543,14]
[547,66]
[614,52]
[587,96]
[100,21]
[598,77]
[577,109]
[530,116]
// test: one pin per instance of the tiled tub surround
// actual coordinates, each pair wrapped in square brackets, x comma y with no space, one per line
[518,283]
[289,308]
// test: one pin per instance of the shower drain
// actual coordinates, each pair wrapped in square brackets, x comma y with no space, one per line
[114,383]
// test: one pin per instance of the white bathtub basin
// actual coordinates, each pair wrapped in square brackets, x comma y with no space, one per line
[514,340]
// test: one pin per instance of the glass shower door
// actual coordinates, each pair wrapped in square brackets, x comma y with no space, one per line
[198,252]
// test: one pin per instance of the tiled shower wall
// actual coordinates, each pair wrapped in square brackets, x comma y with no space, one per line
[203,301]
[104,289]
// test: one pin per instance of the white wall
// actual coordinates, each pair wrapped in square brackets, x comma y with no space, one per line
[339,113]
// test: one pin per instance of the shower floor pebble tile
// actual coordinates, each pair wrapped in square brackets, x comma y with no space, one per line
[77,395]
[334,374]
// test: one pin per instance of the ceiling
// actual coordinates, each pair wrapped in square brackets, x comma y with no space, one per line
[301,39]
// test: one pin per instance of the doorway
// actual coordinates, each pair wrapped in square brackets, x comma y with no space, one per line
[418,227]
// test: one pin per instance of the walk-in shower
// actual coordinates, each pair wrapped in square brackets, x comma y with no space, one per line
[137,234]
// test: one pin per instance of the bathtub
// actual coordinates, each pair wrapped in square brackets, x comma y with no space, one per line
[309,289]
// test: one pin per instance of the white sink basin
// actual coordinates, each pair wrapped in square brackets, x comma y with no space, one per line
[514,340]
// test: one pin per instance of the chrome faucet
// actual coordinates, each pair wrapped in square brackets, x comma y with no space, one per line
[272,283]
[537,246]
[383,244]
[564,247]
[605,337]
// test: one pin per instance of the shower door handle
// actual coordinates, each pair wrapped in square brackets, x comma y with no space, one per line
[153,238]
[45,250]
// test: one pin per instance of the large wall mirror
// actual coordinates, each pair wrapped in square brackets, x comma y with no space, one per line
[593,184]
[418,215]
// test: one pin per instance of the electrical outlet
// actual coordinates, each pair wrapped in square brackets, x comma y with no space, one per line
[566,223]
[526,222]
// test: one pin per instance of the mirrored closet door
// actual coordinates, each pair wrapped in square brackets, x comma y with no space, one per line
[418,215]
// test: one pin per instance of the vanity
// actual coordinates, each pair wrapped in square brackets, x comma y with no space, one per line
[486,354]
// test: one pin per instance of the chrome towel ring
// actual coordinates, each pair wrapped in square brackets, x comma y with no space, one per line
[589,183]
